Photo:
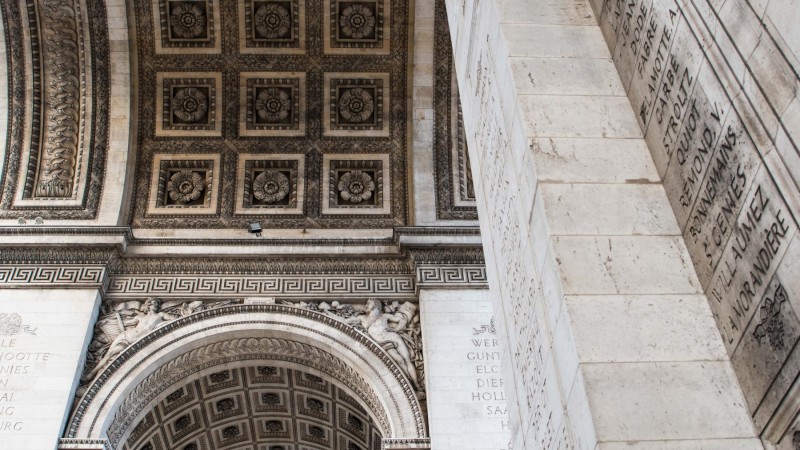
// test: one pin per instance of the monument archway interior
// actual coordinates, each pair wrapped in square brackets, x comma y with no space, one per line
[635,163]
[255,405]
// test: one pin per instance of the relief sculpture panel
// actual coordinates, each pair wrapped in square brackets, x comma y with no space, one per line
[58,109]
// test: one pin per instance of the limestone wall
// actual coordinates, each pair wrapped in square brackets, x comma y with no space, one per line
[43,339]
[714,87]
[608,337]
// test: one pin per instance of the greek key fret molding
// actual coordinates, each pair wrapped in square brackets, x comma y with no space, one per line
[35,276]
[59,117]
[84,444]
[204,286]
[452,276]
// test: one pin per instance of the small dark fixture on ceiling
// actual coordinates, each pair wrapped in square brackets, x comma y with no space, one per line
[255,228]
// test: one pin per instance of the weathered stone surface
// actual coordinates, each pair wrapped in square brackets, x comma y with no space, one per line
[43,336]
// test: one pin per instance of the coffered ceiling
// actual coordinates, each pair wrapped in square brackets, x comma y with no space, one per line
[255,407]
[290,112]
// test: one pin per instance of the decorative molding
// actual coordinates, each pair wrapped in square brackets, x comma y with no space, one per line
[184,185]
[451,276]
[59,118]
[356,184]
[58,255]
[189,104]
[272,104]
[263,266]
[358,104]
[216,286]
[272,26]
[187,27]
[121,324]
[455,196]
[447,256]
[406,444]
[271,184]
[357,27]
[34,276]
[84,444]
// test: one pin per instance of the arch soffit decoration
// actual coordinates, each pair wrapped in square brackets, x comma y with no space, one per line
[186,346]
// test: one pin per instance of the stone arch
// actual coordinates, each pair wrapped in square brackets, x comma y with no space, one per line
[246,332]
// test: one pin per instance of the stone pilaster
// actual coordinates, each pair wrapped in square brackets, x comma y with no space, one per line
[597,304]
[43,337]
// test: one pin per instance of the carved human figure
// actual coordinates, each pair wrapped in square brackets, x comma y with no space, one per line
[384,327]
[148,318]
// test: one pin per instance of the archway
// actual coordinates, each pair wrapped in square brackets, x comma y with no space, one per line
[232,339]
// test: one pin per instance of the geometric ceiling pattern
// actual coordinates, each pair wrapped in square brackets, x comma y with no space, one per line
[290,112]
[255,407]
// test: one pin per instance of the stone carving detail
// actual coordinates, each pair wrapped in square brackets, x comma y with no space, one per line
[121,325]
[356,105]
[272,24]
[271,186]
[211,286]
[223,353]
[57,275]
[455,191]
[771,326]
[54,58]
[286,97]
[187,19]
[189,104]
[11,324]
[357,25]
[186,186]
[357,21]
[273,105]
[57,166]
[356,183]
[272,21]
[356,186]
[796,440]
[451,275]
[279,349]
[186,26]
[393,325]
[485,328]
